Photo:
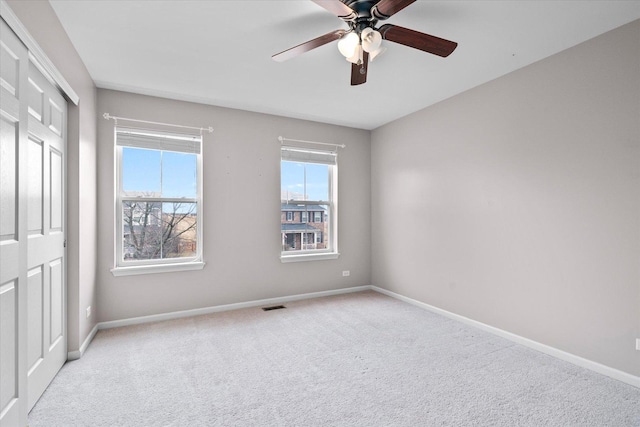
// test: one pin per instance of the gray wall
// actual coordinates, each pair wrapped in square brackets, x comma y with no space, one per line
[42,23]
[517,203]
[241,211]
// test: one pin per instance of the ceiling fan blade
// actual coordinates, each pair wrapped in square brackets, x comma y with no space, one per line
[307,46]
[417,40]
[359,72]
[386,8]
[338,8]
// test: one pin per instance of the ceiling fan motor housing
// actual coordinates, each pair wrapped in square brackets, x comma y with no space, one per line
[367,15]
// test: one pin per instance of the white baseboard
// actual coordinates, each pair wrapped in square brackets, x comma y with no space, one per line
[226,307]
[77,354]
[551,351]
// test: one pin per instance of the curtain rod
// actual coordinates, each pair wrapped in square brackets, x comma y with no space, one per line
[115,119]
[282,139]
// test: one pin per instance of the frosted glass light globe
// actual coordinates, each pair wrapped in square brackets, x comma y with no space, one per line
[347,44]
[356,58]
[371,39]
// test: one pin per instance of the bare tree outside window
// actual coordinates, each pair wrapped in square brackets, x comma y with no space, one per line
[154,230]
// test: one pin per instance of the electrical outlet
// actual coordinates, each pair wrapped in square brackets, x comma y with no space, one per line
[88,312]
[346,273]
[637,343]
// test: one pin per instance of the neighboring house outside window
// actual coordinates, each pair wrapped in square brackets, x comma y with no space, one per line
[158,201]
[303,234]
[308,195]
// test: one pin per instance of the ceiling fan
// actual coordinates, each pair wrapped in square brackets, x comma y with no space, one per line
[363,41]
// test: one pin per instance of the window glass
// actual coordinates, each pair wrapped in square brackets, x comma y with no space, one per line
[304,181]
[179,175]
[141,171]
[307,190]
[158,201]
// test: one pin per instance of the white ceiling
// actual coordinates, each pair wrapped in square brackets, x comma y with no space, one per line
[219,52]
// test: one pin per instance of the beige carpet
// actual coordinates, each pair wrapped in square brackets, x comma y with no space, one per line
[359,359]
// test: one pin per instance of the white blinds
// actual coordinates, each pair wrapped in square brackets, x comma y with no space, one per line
[296,154]
[154,140]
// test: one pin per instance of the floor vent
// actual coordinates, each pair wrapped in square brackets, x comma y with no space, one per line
[274,307]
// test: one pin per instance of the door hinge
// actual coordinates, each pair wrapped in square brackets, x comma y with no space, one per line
[64,244]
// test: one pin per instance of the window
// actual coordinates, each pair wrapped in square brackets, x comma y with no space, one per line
[308,179]
[158,201]
[289,216]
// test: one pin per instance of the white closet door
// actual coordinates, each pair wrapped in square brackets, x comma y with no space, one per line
[14,65]
[46,296]
[33,341]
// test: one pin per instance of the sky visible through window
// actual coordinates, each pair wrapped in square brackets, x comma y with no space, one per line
[159,173]
[293,181]
[170,174]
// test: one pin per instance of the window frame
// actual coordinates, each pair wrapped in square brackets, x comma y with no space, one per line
[331,252]
[134,267]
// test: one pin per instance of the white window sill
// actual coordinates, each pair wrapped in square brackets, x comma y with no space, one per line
[157,268]
[308,257]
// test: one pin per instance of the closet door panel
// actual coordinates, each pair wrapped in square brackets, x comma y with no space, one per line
[14,65]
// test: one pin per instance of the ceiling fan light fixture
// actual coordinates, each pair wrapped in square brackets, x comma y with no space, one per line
[371,39]
[348,44]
